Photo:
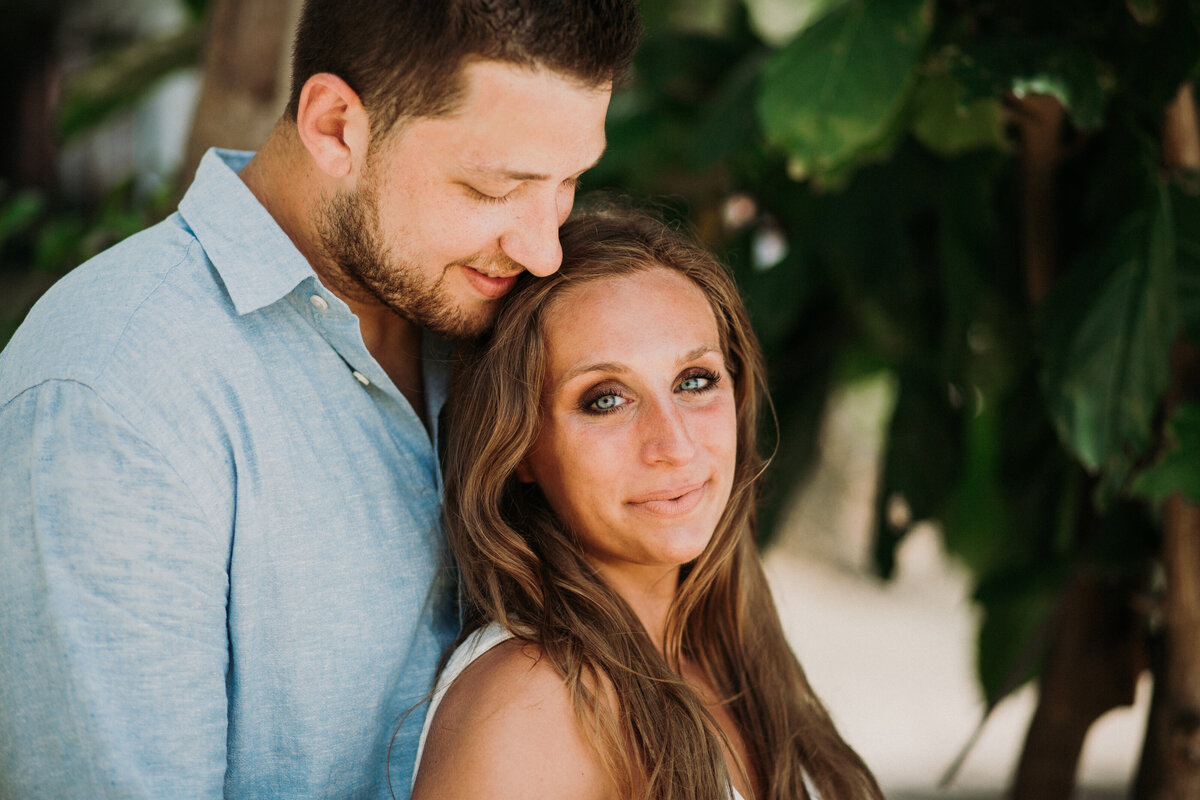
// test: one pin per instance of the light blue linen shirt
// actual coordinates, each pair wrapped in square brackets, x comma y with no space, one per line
[219,526]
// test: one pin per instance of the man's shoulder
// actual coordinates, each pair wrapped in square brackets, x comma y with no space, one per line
[145,293]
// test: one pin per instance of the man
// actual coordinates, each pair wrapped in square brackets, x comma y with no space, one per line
[219,534]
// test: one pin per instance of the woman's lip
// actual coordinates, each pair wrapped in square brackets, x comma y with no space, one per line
[671,502]
[491,288]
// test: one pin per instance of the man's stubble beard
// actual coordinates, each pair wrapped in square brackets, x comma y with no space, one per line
[360,267]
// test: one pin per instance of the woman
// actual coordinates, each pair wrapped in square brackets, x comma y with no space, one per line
[601,479]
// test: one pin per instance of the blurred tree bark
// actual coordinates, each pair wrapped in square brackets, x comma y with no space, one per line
[1170,765]
[1096,650]
[29,59]
[1095,657]
[246,76]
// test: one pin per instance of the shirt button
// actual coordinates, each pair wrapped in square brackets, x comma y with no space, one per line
[363,379]
[318,302]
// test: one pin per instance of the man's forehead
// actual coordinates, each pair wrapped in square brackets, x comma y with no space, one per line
[516,125]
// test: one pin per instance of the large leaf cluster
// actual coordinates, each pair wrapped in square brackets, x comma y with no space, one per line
[862,178]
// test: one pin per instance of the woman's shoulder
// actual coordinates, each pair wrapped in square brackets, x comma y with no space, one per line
[507,725]
[511,675]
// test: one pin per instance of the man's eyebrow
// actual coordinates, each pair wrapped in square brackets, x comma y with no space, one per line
[512,175]
[502,173]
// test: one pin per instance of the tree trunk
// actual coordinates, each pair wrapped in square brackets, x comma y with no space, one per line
[1170,765]
[1092,667]
[31,65]
[246,76]
[1096,652]
[1039,119]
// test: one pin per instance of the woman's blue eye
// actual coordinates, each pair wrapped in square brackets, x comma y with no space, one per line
[607,402]
[698,382]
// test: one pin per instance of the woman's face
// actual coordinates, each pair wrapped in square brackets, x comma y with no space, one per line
[638,441]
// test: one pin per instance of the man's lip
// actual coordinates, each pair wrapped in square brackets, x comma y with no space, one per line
[491,288]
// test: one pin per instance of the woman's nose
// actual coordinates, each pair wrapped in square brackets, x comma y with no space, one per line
[666,435]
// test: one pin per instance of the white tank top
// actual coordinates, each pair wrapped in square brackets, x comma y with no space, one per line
[473,647]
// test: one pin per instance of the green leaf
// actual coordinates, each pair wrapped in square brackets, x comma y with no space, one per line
[947,125]
[1146,12]
[1017,603]
[1108,333]
[838,87]
[776,297]
[59,243]
[801,374]
[977,518]
[652,126]
[776,21]
[1029,65]
[728,125]
[196,7]
[922,459]
[18,213]
[1178,470]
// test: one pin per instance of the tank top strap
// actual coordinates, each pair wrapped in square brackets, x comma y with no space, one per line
[476,644]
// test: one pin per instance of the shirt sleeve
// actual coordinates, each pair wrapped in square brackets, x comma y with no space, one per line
[113,593]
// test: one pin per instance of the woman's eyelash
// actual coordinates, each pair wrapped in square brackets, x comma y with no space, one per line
[591,403]
[594,402]
[711,379]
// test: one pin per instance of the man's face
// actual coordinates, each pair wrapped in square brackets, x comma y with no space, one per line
[448,210]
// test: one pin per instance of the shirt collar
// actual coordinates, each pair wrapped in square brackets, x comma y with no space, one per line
[256,260]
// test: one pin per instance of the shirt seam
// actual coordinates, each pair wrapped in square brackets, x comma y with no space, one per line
[103,363]
[95,392]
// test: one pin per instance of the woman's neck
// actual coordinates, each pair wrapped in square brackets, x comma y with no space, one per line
[649,592]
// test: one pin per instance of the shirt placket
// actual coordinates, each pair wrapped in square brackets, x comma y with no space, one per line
[339,327]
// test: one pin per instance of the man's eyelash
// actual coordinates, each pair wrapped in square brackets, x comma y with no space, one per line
[486,198]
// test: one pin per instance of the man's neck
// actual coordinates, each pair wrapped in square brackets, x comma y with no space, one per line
[285,183]
[396,344]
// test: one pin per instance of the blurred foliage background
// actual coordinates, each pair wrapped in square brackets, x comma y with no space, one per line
[991,206]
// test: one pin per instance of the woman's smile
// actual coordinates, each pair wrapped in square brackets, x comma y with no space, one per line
[671,502]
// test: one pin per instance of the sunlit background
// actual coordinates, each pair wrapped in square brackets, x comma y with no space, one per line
[969,237]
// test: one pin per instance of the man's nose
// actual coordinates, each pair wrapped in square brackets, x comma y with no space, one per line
[532,239]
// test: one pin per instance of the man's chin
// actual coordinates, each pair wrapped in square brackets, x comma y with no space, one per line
[460,326]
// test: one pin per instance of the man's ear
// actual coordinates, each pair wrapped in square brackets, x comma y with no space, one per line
[332,124]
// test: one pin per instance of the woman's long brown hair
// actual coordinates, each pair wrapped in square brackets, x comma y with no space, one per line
[520,567]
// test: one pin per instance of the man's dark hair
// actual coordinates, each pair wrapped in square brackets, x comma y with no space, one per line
[404,57]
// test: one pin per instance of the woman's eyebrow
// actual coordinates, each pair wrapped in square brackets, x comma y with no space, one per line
[617,368]
[583,369]
[699,352]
